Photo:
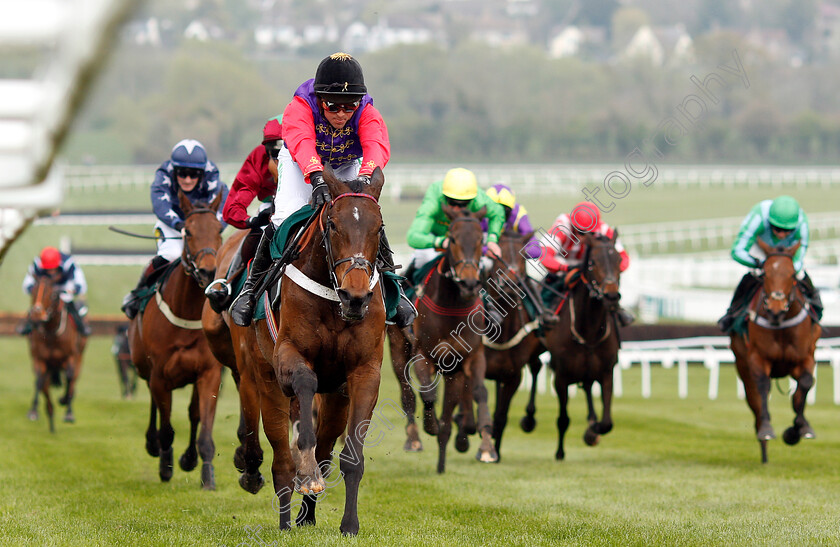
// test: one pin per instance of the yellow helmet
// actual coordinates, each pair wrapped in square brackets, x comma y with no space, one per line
[502,195]
[460,184]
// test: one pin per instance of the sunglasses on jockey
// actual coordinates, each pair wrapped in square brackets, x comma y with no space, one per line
[189,172]
[345,107]
[457,202]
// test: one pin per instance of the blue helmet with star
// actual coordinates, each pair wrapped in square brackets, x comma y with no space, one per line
[189,153]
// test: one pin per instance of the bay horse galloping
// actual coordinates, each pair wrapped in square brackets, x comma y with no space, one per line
[56,347]
[584,344]
[517,342]
[169,349]
[236,347]
[329,340]
[780,341]
[448,331]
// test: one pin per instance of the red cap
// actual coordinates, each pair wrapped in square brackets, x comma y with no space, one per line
[50,258]
[585,216]
[273,131]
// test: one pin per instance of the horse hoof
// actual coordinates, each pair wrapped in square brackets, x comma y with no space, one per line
[766,433]
[430,425]
[208,477]
[309,486]
[188,461]
[790,436]
[33,415]
[251,482]
[153,449]
[559,455]
[806,432]
[462,443]
[413,445]
[63,401]
[70,418]
[528,423]
[487,456]
[590,437]
[165,467]
[239,459]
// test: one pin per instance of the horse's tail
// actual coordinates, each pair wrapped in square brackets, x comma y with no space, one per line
[55,377]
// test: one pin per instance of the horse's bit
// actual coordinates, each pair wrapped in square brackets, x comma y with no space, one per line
[452,273]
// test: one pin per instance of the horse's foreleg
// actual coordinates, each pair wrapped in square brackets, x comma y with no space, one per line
[595,430]
[40,379]
[152,442]
[207,387]
[529,422]
[428,390]
[363,389]
[453,387]
[163,401]
[478,367]
[304,383]
[562,389]
[591,415]
[189,459]
[465,418]
[801,428]
[504,394]
[764,431]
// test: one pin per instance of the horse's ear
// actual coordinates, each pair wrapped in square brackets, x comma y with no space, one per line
[793,248]
[184,201]
[216,201]
[377,181]
[481,212]
[764,246]
[335,186]
[615,235]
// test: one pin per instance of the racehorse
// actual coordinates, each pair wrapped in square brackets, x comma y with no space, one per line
[125,368]
[780,341]
[236,347]
[448,330]
[329,339]
[56,346]
[517,342]
[584,344]
[169,349]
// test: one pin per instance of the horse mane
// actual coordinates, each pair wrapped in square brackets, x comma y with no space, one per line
[357,186]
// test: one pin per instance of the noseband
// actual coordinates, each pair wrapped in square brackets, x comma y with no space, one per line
[357,261]
[190,261]
[452,272]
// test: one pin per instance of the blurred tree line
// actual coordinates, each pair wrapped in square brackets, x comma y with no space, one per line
[468,103]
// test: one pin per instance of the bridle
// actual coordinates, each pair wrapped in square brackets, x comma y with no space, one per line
[357,261]
[190,261]
[595,289]
[452,271]
[54,301]
[778,296]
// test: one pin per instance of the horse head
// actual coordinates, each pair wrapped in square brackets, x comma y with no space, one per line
[46,303]
[352,225]
[779,277]
[464,251]
[602,267]
[202,238]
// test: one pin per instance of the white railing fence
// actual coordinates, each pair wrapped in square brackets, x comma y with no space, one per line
[711,351]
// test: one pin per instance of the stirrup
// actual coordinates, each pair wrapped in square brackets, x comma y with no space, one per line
[225,287]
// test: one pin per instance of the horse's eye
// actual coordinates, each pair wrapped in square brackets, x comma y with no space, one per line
[187,233]
[331,225]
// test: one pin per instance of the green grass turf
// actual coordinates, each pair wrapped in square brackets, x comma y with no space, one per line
[672,472]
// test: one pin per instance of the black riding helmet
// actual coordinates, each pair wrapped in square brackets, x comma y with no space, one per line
[339,79]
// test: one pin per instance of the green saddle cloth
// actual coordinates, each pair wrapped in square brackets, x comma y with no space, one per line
[146,293]
[287,230]
[418,276]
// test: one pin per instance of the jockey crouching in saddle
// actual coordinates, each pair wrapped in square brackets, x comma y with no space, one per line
[564,251]
[189,170]
[779,222]
[67,276]
[256,178]
[331,119]
[429,232]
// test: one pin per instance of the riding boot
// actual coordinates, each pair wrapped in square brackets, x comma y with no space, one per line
[131,302]
[406,313]
[491,308]
[219,291]
[242,309]
[75,311]
[745,289]
[813,295]
[25,327]
[544,315]
[408,274]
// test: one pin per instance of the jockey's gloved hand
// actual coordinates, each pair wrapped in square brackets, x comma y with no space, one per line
[260,219]
[66,296]
[320,191]
[364,178]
